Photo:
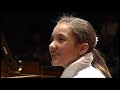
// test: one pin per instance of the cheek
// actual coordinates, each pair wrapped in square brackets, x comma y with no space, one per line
[69,53]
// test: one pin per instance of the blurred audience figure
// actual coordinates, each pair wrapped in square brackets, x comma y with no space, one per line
[38,50]
[108,43]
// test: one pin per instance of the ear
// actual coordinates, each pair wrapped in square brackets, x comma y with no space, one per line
[83,48]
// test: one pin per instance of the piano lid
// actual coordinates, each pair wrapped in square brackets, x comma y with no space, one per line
[13,64]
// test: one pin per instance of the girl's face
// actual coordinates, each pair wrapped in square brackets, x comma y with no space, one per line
[63,49]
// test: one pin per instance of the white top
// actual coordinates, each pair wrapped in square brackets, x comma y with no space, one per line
[82,68]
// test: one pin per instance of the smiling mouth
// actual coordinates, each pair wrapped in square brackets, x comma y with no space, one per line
[54,55]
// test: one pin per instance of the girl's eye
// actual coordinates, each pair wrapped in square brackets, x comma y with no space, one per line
[60,40]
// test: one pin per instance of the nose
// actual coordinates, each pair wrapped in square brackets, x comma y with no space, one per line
[52,46]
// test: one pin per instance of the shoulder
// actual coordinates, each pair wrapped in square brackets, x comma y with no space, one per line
[89,72]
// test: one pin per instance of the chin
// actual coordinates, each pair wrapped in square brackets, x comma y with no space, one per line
[55,63]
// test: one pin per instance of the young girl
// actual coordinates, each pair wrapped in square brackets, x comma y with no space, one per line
[73,47]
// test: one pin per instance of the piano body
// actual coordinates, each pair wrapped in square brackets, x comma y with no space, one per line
[11,67]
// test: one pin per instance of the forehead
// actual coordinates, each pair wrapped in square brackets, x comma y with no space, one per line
[62,28]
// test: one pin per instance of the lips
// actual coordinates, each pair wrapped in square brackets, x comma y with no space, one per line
[54,55]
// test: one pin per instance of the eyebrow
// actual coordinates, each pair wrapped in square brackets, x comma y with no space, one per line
[63,35]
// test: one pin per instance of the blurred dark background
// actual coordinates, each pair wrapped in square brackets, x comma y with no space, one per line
[28,34]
